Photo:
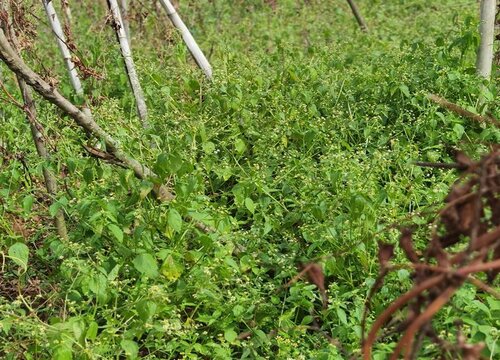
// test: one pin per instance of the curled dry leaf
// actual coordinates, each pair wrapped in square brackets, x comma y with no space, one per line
[315,275]
[385,253]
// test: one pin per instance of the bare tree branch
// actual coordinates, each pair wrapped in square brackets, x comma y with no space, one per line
[17,65]
[357,14]
[38,136]
[461,111]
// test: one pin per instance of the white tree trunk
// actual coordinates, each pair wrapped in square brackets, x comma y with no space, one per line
[113,147]
[126,23]
[61,42]
[497,30]
[129,63]
[193,47]
[487,31]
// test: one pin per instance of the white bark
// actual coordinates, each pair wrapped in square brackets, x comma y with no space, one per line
[193,47]
[113,147]
[61,42]
[63,47]
[487,31]
[129,63]
[126,23]
[497,30]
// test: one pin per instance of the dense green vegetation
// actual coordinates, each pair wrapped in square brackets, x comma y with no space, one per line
[301,149]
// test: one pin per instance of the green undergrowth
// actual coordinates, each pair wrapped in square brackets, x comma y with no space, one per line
[302,148]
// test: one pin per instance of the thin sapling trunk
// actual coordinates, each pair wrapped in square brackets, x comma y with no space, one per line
[129,62]
[38,139]
[357,14]
[487,30]
[126,23]
[63,47]
[49,178]
[113,147]
[193,47]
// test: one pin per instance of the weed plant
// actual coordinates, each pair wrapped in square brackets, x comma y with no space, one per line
[302,148]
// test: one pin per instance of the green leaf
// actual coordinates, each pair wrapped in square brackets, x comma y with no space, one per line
[342,316]
[240,146]
[131,348]
[98,285]
[54,208]
[171,269]
[88,175]
[238,310]
[262,336]
[114,272]
[307,320]
[168,163]
[482,307]
[62,352]
[145,188]
[230,261]
[78,327]
[146,265]
[92,331]
[403,274]
[19,253]
[250,205]
[6,325]
[404,89]
[174,220]
[209,147]
[459,130]
[230,335]
[146,309]
[116,231]
[28,204]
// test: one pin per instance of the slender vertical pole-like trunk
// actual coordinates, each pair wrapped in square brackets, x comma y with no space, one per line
[193,47]
[487,30]
[129,63]
[61,42]
[38,139]
[63,47]
[357,14]
[113,147]
[497,28]
[126,23]
[36,134]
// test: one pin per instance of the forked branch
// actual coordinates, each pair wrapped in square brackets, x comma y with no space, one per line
[17,65]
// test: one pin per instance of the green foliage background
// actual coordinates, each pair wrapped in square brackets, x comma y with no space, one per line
[301,149]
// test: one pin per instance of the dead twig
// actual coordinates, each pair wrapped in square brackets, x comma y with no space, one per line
[448,105]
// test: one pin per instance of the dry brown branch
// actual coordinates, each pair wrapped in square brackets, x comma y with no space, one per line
[470,217]
[17,65]
[461,111]
[357,14]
